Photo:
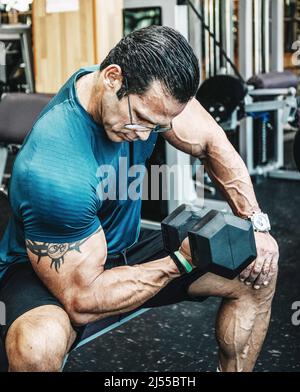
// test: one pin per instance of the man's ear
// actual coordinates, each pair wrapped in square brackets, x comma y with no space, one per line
[112,77]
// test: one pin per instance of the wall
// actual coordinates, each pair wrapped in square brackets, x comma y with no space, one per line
[64,42]
[108,26]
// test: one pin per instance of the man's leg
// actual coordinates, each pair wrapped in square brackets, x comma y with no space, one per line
[38,340]
[242,320]
[244,314]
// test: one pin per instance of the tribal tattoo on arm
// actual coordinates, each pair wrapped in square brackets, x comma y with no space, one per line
[56,252]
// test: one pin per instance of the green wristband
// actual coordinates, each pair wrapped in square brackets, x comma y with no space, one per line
[187,266]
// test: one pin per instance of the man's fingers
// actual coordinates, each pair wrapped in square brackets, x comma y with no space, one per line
[247,271]
[256,270]
[272,269]
[262,279]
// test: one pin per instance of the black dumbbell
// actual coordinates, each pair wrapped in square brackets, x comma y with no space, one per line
[220,242]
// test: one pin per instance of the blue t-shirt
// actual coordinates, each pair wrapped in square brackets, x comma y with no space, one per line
[56,189]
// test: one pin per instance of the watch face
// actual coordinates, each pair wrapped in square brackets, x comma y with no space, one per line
[261,222]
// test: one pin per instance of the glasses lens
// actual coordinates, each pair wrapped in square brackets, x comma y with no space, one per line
[161,130]
[137,127]
[143,128]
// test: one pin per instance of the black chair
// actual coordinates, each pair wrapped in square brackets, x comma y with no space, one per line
[18,112]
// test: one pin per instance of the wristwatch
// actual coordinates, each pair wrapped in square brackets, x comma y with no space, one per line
[260,222]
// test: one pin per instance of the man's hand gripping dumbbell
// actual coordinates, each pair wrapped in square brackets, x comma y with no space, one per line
[210,240]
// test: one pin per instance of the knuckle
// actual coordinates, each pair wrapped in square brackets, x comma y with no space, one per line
[266,269]
[245,272]
[262,278]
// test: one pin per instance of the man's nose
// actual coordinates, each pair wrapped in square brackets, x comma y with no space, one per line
[143,135]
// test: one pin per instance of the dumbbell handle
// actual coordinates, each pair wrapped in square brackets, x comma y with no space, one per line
[182,264]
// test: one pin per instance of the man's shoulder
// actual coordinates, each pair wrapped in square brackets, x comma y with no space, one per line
[62,110]
[60,113]
[56,144]
[59,128]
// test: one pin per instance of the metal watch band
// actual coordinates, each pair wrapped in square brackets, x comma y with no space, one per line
[255,226]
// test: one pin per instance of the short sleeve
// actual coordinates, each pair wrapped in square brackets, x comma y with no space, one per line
[54,195]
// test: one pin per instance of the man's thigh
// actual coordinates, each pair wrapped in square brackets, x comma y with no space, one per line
[210,284]
[28,301]
[39,339]
[21,291]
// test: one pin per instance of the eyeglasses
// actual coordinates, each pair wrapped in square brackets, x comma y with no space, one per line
[141,127]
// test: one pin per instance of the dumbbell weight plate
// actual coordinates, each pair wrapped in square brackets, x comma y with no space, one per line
[223,244]
[175,226]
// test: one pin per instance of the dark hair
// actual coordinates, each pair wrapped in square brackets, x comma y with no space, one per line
[156,53]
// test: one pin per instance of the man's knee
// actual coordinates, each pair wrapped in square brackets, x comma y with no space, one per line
[36,342]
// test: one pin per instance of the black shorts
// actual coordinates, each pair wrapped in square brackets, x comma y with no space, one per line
[21,290]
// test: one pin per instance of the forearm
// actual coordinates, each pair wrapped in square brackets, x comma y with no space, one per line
[122,289]
[196,133]
[225,166]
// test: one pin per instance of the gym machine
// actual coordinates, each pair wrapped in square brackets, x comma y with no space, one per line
[253,113]
[16,46]
[272,33]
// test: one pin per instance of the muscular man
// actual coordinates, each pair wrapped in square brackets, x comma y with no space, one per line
[69,257]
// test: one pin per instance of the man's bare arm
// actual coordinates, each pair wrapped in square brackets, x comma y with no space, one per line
[196,132]
[74,273]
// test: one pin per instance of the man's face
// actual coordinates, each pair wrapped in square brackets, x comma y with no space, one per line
[151,108]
